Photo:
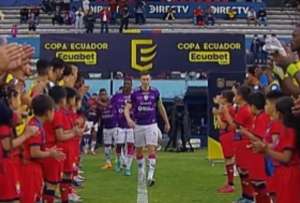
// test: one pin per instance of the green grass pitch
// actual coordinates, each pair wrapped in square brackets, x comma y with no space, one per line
[181,178]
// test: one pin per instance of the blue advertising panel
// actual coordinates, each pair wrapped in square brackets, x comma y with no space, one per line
[218,81]
[133,53]
[156,9]
[4,3]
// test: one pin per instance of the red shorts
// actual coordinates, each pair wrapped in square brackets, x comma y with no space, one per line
[288,178]
[52,170]
[242,153]
[272,184]
[256,169]
[32,182]
[227,143]
[9,181]
[69,162]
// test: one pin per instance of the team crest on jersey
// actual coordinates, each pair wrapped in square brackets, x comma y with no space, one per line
[146,97]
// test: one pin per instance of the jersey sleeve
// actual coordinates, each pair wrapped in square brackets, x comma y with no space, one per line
[35,140]
[288,139]
[275,128]
[243,117]
[5,131]
[114,99]
[58,121]
[132,98]
[158,96]
[261,127]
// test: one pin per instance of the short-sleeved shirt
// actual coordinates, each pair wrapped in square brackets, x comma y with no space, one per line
[232,112]
[260,125]
[287,141]
[109,116]
[244,116]
[119,100]
[37,140]
[273,132]
[60,120]
[144,105]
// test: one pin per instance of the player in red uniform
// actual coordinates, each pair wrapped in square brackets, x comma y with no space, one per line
[225,102]
[242,118]
[34,150]
[286,154]
[272,138]
[257,172]
[76,121]
[64,132]
[9,167]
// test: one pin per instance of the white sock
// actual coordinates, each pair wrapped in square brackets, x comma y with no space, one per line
[93,146]
[151,169]
[129,162]
[107,154]
[122,158]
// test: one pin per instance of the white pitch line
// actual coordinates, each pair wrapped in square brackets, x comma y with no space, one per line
[142,193]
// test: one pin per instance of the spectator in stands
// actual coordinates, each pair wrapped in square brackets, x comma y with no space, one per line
[113,11]
[104,19]
[57,17]
[263,53]
[262,17]
[122,4]
[66,18]
[72,15]
[170,14]
[89,21]
[79,19]
[47,6]
[274,40]
[198,16]
[139,12]
[209,17]
[36,12]
[255,48]
[231,14]
[251,78]
[24,14]
[86,6]
[124,19]
[14,30]
[251,17]
[32,23]
[2,16]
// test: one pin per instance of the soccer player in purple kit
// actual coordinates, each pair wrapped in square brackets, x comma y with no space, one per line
[109,122]
[124,139]
[145,101]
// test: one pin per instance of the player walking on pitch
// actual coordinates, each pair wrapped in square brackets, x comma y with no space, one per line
[124,139]
[144,102]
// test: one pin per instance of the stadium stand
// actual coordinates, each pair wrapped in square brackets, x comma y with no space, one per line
[280,21]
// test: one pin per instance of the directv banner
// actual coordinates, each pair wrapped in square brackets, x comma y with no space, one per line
[147,52]
[4,3]
[185,10]
[217,82]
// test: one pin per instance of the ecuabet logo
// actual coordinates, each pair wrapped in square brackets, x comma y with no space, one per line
[143,52]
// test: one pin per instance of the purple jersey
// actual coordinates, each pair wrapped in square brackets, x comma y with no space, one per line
[109,116]
[119,100]
[144,104]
